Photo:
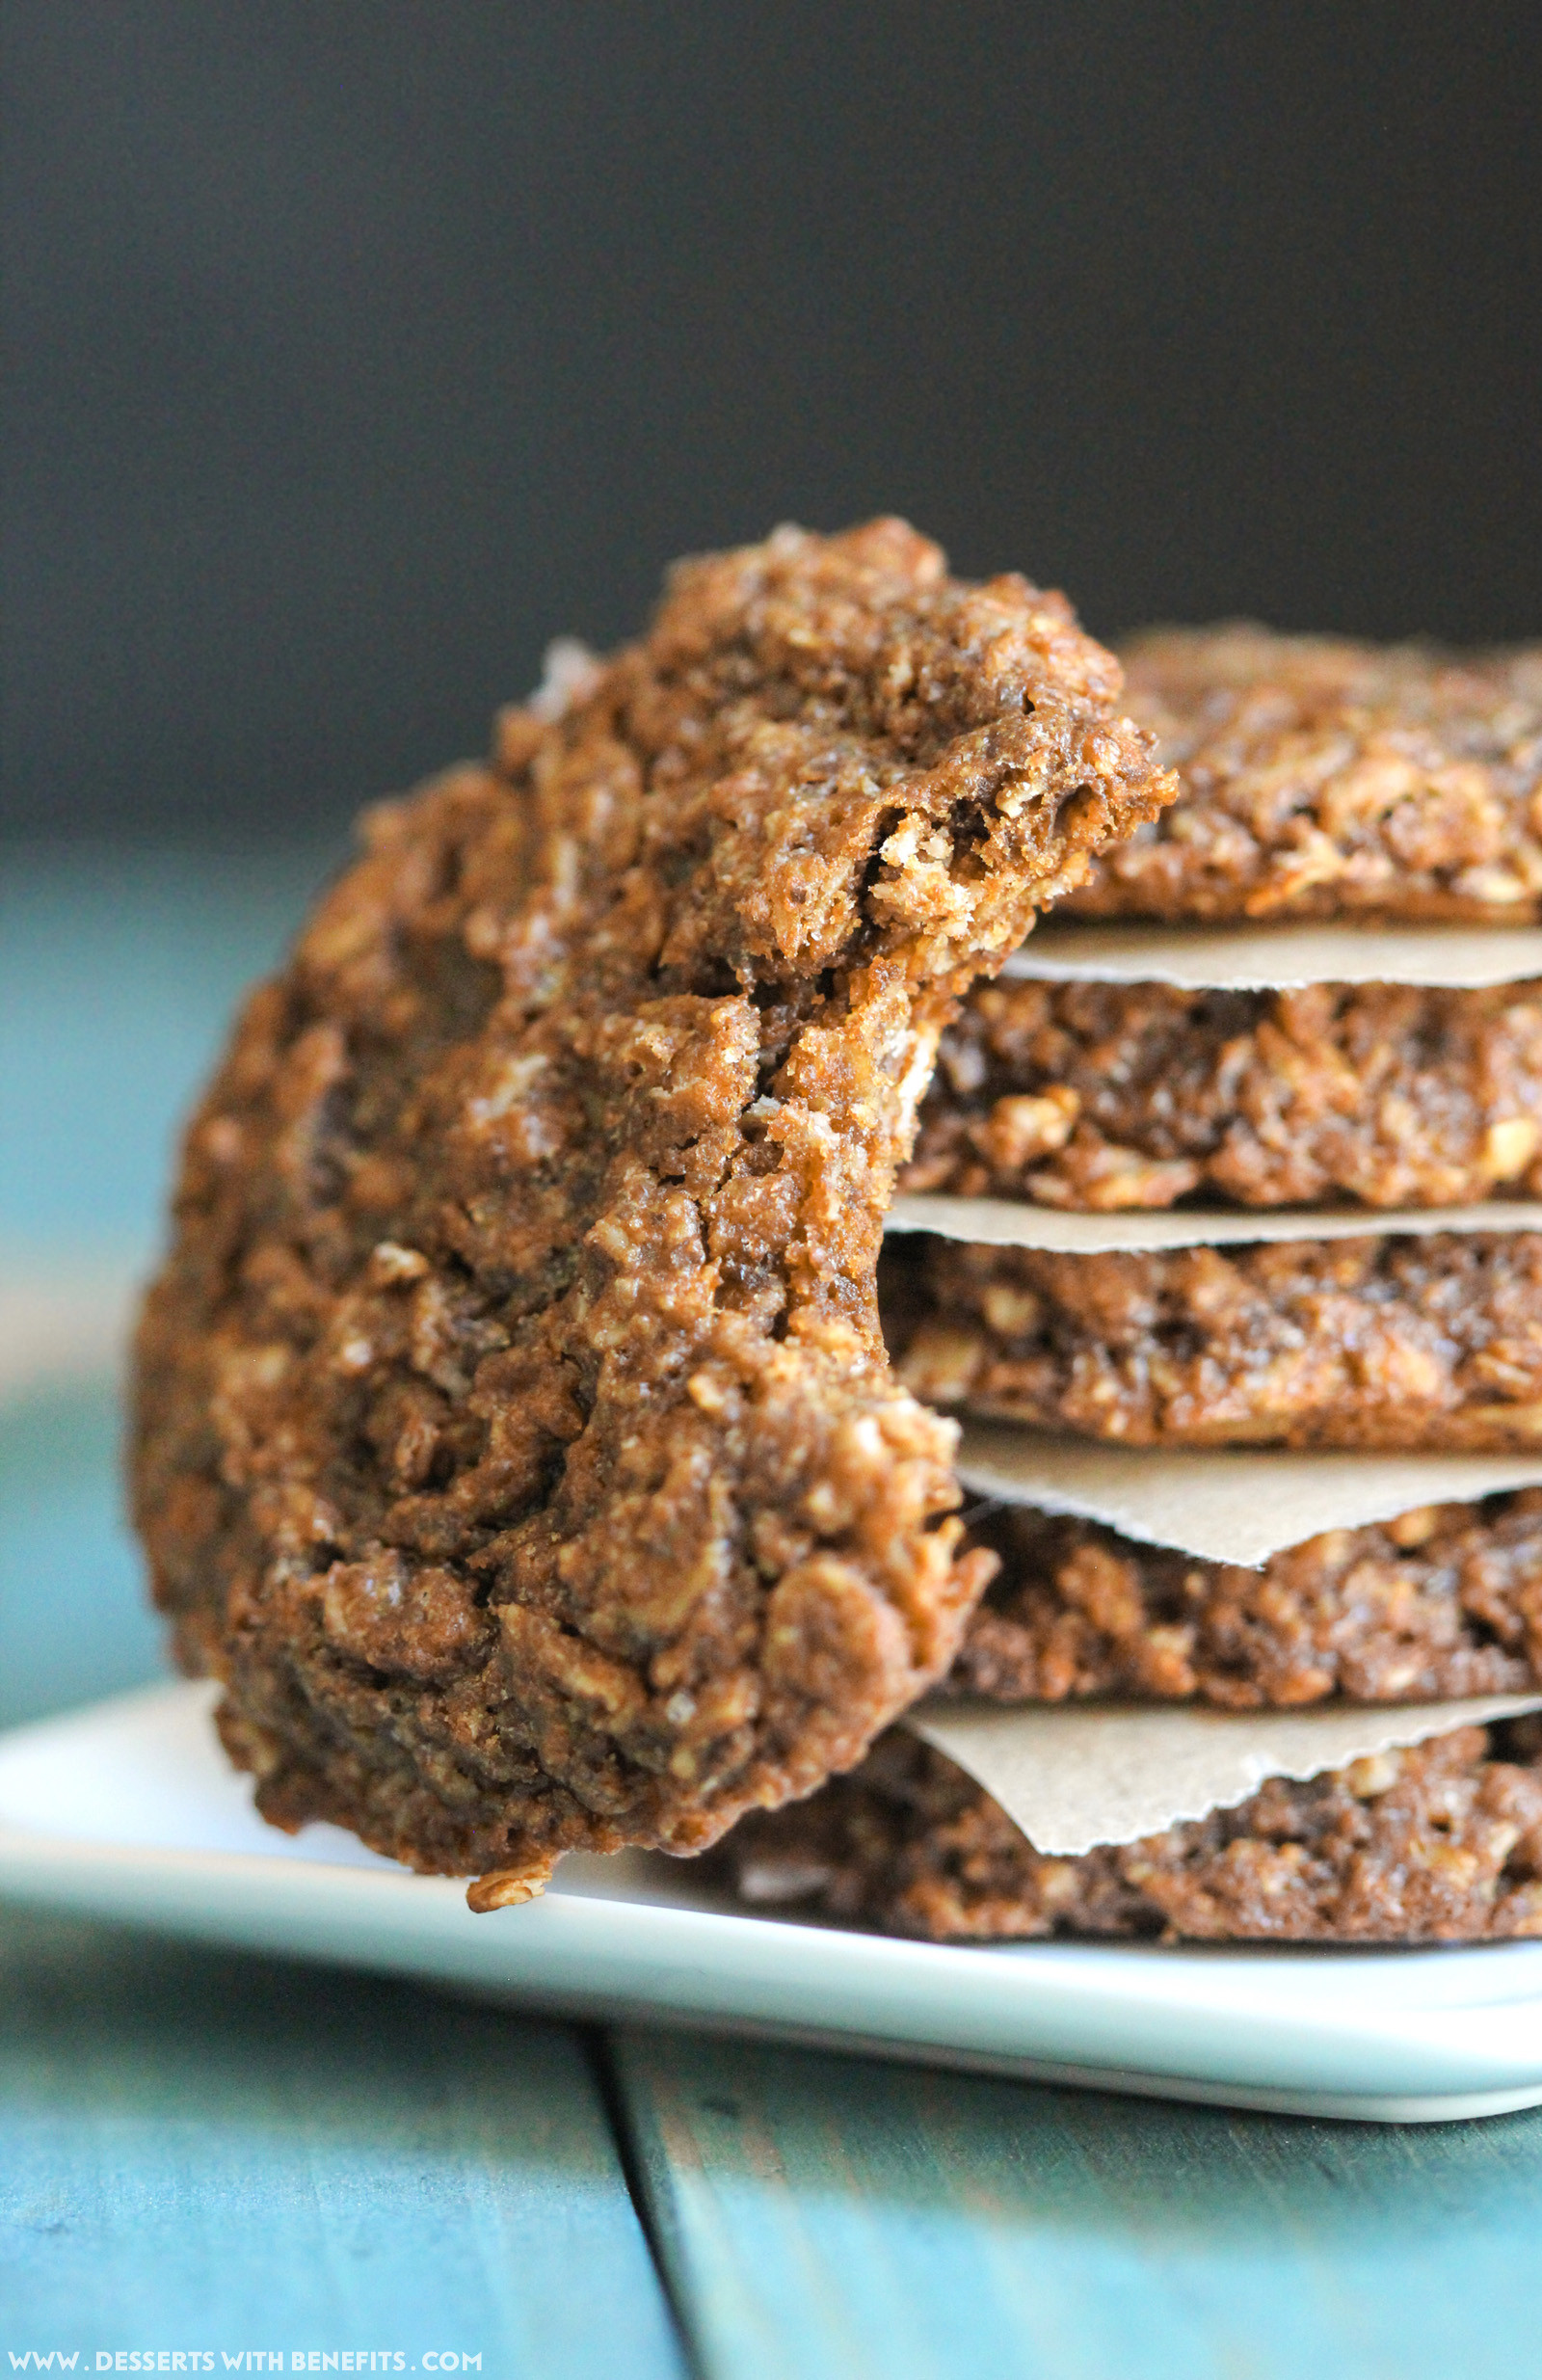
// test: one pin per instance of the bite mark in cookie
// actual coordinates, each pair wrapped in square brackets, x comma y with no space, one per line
[514,1437]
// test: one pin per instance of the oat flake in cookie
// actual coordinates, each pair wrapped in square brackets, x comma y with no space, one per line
[514,1435]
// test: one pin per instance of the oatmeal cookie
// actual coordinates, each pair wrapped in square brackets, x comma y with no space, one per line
[1440,1603]
[1323,779]
[513,1434]
[1099,1096]
[1392,1341]
[1442,1843]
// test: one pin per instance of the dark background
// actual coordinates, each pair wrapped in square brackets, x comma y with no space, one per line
[356,347]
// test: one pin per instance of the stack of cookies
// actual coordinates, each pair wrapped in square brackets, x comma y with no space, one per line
[687,1322]
[1223,1230]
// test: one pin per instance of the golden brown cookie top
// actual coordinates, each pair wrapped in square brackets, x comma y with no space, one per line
[1324,778]
[516,1439]
[828,748]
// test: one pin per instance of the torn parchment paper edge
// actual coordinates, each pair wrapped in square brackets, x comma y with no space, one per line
[1278,958]
[1013,1223]
[1074,1777]
[1222,1504]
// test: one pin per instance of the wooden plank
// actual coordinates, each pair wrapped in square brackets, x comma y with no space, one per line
[836,2217]
[201,2151]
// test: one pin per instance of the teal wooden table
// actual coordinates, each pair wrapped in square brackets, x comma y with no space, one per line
[242,2159]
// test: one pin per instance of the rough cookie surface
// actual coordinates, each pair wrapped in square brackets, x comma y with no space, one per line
[1323,778]
[1442,1843]
[1099,1096]
[515,1438]
[1442,1602]
[1397,1341]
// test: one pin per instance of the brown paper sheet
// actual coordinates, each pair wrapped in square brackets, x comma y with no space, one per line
[1266,958]
[1222,1504]
[1015,1223]
[1075,1776]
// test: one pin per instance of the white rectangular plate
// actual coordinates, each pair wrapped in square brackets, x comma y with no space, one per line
[128,1811]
